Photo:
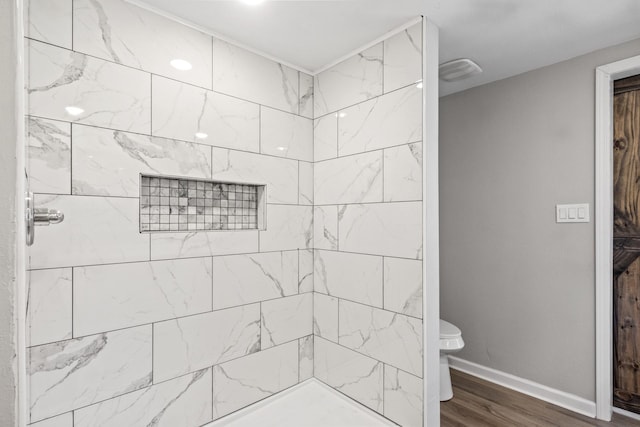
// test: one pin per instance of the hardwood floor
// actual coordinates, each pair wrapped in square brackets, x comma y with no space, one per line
[478,403]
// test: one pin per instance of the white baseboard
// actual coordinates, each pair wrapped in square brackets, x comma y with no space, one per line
[627,414]
[559,398]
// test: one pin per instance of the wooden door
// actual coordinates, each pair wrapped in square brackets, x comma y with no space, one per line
[626,244]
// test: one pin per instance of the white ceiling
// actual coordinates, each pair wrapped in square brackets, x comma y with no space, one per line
[506,37]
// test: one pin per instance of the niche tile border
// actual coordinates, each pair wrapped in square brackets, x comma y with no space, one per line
[179,204]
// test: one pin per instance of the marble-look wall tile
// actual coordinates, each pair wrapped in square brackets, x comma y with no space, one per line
[109,297]
[288,227]
[109,162]
[243,381]
[184,401]
[352,276]
[286,319]
[354,80]
[96,230]
[376,229]
[192,343]
[357,376]
[49,306]
[246,75]
[386,121]
[389,337]
[181,111]
[121,32]
[71,374]
[325,317]
[198,244]
[279,175]
[49,155]
[49,21]
[403,286]
[402,397]
[64,420]
[286,135]
[106,94]
[403,58]
[305,270]
[325,227]
[245,279]
[403,173]
[305,105]
[352,179]
[305,358]
[325,137]
[305,183]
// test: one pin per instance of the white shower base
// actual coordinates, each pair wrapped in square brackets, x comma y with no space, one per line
[309,404]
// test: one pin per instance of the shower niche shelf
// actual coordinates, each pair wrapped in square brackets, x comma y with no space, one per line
[169,203]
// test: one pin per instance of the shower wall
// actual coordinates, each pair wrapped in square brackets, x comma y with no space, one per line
[163,329]
[368,214]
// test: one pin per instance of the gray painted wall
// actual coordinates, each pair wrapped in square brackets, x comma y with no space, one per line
[7,212]
[520,286]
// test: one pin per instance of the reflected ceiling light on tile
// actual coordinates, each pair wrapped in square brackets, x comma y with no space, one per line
[341,115]
[419,84]
[181,64]
[458,69]
[252,2]
[282,148]
[201,135]
[74,111]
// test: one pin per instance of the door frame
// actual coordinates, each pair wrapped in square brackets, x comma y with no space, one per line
[605,75]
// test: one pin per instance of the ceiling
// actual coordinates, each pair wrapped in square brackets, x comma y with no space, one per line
[506,37]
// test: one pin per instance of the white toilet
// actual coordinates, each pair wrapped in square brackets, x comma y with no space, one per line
[450,342]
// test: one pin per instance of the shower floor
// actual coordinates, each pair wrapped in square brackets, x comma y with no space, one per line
[310,404]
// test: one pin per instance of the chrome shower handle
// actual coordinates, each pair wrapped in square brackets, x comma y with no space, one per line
[28,212]
[38,216]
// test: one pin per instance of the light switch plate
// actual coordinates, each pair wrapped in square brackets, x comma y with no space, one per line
[572,213]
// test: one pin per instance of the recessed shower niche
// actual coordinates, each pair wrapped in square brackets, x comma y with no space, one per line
[185,204]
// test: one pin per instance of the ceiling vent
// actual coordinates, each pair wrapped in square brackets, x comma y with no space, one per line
[458,69]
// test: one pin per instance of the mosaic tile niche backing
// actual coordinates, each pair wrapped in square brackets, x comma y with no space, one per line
[182,204]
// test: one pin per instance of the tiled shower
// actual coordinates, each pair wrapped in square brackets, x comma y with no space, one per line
[136,321]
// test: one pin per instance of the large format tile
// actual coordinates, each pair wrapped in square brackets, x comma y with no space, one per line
[279,175]
[325,137]
[109,162]
[403,286]
[305,105]
[305,270]
[392,229]
[403,173]
[107,94]
[49,306]
[118,296]
[196,342]
[243,381]
[352,179]
[305,358]
[402,397]
[49,21]
[286,135]
[96,230]
[386,121]
[325,317]
[245,279]
[354,80]
[288,227]
[181,111]
[305,183]
[325,227]
[352,276]
[198,244]
[286,319]
[389,337]
[71,374]
[246,75]
[403,58]
[357,376]
[182,402]
[49,156]
[121,32]
[64,420]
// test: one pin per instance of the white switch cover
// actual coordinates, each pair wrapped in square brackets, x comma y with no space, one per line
[572,213]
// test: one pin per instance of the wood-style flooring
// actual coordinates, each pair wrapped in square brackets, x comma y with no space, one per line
[478,403]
